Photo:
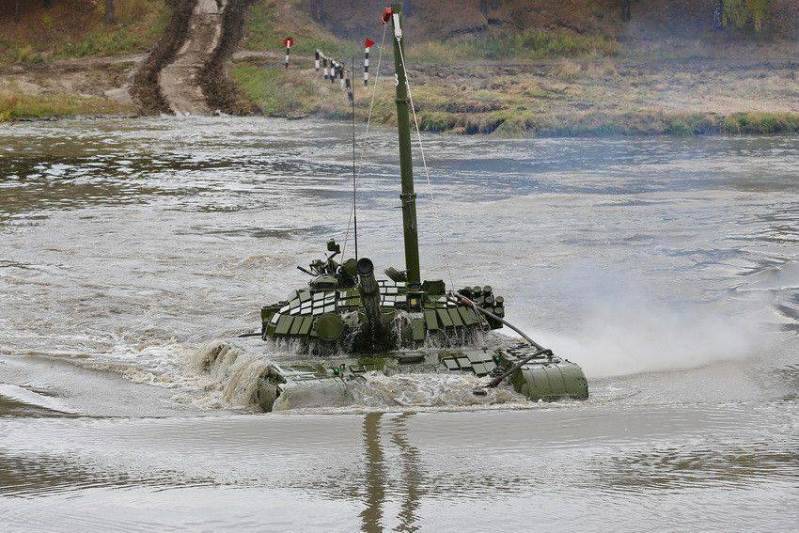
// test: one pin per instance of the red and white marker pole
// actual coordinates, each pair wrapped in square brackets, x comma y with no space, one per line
[367,47]
[288,42]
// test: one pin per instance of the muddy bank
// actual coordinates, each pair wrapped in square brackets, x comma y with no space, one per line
[221,93]
[186,71]
[92,87]
[179,80]
[146,87]
[102,77]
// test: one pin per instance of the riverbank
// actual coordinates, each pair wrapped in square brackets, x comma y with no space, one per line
[597,78]
[556,71]
[96,86]
[551,97]
[556,97]
[63,59]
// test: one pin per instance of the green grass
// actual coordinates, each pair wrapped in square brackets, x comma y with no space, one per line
[264,31]
[750,123]
[277,92]
[525,123]
[760,123]
[531,44]
[687,125]
[71,29]
[14,106]
[105,43]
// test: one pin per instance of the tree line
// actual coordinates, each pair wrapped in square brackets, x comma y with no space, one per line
[109,8]
[740,13]
[726,13]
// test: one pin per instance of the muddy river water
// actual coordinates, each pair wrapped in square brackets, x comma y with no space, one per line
[667,268]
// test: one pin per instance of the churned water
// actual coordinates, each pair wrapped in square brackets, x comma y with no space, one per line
[667,268]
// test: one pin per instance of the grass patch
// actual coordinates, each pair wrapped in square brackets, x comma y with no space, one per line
[278,92]
[747,123]
[525,123]
[15,106]
[105,43]
[691,124]
[76,29]
[758,123]
[271,21]
[437,121]
[530,44]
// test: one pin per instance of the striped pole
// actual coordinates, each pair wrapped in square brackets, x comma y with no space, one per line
[367,47]
[334,72]
[325,68]
[288,42]
[317,60]
[341,76]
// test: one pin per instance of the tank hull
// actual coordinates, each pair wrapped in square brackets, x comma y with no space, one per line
[338,381]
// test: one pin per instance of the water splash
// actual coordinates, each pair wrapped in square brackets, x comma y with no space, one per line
[427,390]
[624,328]
[233,376]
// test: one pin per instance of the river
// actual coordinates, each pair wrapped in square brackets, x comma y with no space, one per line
[668,268]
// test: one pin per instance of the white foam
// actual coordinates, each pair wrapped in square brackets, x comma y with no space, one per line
[232,375]
[427,390]
[34,399]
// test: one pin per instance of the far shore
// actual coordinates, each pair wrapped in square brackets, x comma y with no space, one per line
[593,96]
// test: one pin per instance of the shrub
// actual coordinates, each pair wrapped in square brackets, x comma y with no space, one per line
[741,13]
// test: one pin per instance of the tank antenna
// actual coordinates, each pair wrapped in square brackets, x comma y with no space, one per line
[354,172]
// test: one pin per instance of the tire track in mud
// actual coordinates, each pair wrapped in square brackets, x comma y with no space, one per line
[185,72]
[180,80]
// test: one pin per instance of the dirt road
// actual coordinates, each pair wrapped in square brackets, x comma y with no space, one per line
[179,81]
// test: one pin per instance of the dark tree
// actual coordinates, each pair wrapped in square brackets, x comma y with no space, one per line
[718,16]
[486,6]
[626,10]
[316,9]
[109,11]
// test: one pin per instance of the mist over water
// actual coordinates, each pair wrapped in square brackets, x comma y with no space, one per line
[622,328]
[667,268]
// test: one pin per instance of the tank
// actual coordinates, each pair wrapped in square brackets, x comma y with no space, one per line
[347,322]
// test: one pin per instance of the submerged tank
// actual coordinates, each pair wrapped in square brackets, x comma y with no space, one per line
[346,322]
